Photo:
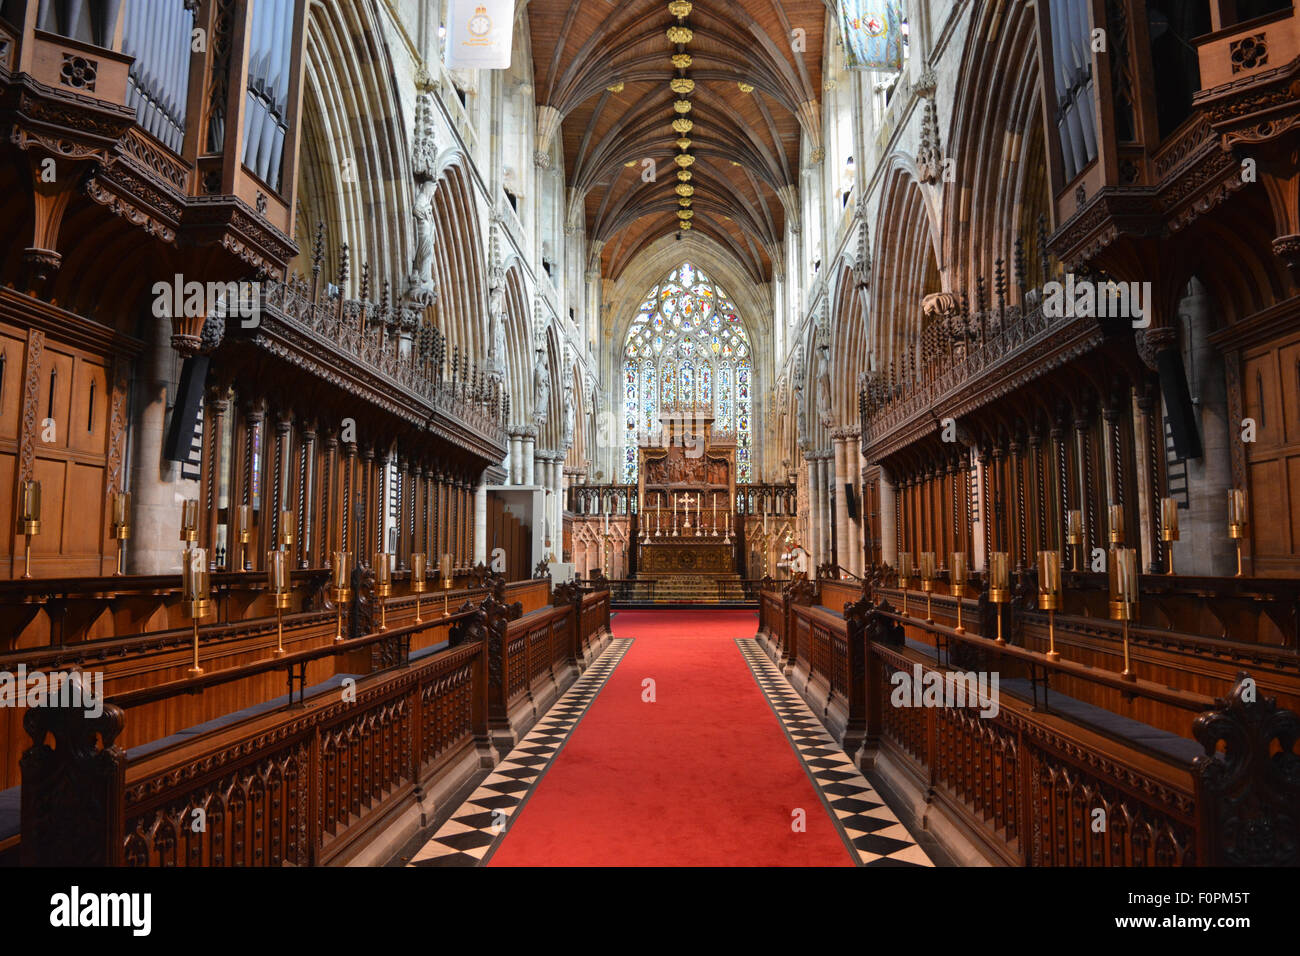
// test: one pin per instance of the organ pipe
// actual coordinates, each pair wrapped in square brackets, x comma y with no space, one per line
[158,35]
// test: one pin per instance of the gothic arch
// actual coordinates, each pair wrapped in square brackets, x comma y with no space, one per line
[849,347]
[458,266]
[354,154]
[907,268]
[997,141]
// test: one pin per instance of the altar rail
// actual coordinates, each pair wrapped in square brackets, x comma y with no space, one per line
[312,782]
[1023,784]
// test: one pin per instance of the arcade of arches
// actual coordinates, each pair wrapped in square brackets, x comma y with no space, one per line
[801,349]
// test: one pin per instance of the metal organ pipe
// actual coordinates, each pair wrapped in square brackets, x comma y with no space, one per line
[268,89]
[158,35]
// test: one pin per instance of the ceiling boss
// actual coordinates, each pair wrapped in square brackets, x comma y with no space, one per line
[682,85]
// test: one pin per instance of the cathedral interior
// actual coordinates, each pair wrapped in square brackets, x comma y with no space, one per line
[913,386]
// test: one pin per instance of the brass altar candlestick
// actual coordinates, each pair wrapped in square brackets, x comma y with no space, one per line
[341,589]
[190,521]
[1124,595]
[444,568]
[1049,595]
[957,570]
[29,519]
[383,585]
[419,581]
[999,584]
[927,583]
[904,575]
[286,531]
[1074,536]
[1169,526]
[121,527]
[1237,520]
[198,598]
[1116,513]
[277,585]
[245,534]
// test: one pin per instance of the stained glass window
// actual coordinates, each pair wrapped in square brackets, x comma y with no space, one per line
[687,349]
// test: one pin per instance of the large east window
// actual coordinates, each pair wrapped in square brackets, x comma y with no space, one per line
[688,351]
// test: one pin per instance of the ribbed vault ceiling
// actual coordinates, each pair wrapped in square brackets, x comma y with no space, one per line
[607,71]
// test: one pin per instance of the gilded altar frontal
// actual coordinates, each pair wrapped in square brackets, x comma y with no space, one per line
[560,433]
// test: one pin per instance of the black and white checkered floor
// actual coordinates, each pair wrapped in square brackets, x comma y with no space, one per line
[871,832]
[475,831]
[868,826]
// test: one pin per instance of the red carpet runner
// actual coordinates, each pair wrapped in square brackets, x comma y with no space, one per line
[702,777]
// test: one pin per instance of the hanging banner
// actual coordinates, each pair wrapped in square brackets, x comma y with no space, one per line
[873,34]
[480,34]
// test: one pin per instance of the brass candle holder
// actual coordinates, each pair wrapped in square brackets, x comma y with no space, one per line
[999,584]
[121,527]
[1169,526]
[198,597]
[383,585]
[904,575]
[245,534]
[1237,520]
[957,573]
[419,580]
[29,519]
[190,521]
[1049,595]
[444,569]
[341,587]
[1116,516]
[1074,536]
[277,585]
[287,539]
[1124,595]
[927,583]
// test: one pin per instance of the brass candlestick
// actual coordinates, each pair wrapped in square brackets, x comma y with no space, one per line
[341,587]
[957,570]
[277,584]
[1169,526]
[927,583]
[1237,520]
[245,534]
[1074,536]
[121,528]
[190,521]
[999,584]
[904,575]
[1116,513]
[444,568]
[1049,595]
[29,519]
[198,598]
[419,580]
[383,585]
[1124,596]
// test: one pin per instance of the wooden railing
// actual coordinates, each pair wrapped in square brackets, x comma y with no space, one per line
[1027,784]
[312,782]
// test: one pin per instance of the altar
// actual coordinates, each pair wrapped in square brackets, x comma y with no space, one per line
[687,493]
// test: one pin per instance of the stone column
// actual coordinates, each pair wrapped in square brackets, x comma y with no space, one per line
[515,462]
[156,484]
[888,519]
[853,455]
[827,476]
[480,523]
[528,440]
[843,539]
[814,531]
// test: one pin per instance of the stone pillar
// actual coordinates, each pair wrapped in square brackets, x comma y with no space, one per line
[853,454]
[888,520]
[515,463]
[480,523]
[814,531]
[843,538]
[528,441]
[827,476]
[156,485]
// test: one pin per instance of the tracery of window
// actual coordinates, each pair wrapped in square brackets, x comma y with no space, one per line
[687,351]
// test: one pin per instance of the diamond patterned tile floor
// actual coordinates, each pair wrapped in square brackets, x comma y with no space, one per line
[869,827]
[473,833]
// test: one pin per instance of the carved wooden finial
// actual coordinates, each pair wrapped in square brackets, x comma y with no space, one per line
[318,251]
[343,268]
